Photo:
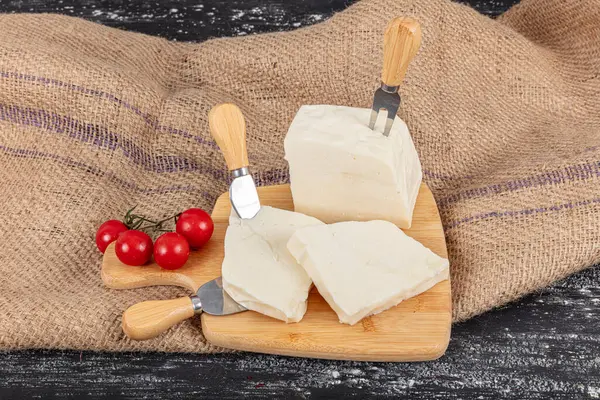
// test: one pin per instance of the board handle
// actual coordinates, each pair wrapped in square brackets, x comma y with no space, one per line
[228,128]
[401,41]
[149,319]
[117,275]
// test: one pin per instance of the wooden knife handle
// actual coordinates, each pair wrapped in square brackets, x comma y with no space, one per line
[401,42]
[149,319]
[228,128]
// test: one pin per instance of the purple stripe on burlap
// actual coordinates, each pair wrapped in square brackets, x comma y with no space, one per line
[443,177]
[518,213]
[147,117]
[571,173]
[100,137]
[28,153]
[153,122]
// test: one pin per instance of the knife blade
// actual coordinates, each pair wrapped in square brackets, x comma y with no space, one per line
[214,300]
[228,128]
[401,41]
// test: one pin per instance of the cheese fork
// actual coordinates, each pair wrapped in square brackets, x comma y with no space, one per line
[401,41]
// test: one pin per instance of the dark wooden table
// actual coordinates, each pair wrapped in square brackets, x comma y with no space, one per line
[546,346]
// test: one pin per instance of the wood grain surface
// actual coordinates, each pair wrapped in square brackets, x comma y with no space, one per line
[415,330]
[546,346]
[191,276]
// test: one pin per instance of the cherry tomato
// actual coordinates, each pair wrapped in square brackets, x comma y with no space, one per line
[196,226]
[108,233]
[134,248]
[171,250]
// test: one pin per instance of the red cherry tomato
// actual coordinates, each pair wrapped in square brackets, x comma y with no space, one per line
[134,248]
[108,233]
[196,226]
[171,250]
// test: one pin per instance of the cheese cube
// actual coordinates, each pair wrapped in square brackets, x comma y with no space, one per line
[340,170]
[258,271]
[364,268]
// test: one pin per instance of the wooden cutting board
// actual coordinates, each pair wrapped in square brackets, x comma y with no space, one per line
[418,329]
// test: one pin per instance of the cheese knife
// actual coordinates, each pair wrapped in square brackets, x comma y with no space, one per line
[401,41]
[228,128]
[149,319]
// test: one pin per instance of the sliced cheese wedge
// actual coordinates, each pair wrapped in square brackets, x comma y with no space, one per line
[364,268]
[258,271]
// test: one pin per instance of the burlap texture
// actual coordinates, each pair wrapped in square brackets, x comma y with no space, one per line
[505,115]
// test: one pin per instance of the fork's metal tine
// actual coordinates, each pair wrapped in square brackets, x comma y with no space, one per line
[386,101]
[388,124]
[373,119]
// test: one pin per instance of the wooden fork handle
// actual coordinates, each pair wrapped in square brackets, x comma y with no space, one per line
[401,41]
[149,319]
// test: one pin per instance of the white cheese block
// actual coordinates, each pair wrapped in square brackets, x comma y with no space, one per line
[363,268]
[340,170]
[258,271]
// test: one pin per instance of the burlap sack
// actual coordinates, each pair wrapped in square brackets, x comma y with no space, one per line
[505,115]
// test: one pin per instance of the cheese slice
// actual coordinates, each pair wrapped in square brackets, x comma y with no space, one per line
[340,170]
[258,271]
[364,268]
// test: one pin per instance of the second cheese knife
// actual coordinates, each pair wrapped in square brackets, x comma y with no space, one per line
[228,128]
[149,319]
[401,42]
